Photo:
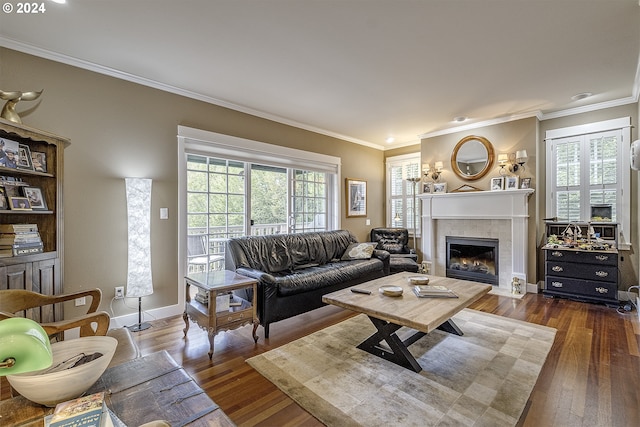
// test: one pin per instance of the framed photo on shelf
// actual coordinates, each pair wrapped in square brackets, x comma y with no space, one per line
[512,183]
[4,203]
[10,149]
[427,187]
[497,183]
[24,157]
[35,197]
[525,183]
[39,161]
[439,187]
[356,195]
[19,204]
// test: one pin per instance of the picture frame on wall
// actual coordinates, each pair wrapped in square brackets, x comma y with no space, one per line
[511,183]
[497,183]
[36,198]
[356,197]
[439,187]
[525,183]
[427,187]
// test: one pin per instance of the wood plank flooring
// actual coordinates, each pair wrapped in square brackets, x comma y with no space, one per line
[591,376]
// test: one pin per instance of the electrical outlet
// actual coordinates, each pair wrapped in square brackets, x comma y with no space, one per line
[81,301]
[119,292]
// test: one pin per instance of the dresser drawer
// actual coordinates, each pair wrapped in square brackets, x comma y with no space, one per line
[600,273]
[226,318]
[584,257]
[588,288]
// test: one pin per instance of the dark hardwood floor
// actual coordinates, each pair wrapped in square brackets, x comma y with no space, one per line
[591,376]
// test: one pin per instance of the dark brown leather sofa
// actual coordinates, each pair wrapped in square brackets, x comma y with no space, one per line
[295,270]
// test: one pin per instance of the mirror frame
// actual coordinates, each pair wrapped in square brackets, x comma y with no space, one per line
[490,158]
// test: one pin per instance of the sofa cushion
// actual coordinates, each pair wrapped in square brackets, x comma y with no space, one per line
[324,275]
[358,251]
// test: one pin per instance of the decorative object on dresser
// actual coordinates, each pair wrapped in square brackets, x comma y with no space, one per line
[583,265]
[9,110]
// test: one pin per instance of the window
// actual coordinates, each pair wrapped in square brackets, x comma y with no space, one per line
[589,165]
[234,187]
[401,211]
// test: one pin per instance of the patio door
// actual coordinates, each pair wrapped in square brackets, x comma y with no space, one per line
[268,210]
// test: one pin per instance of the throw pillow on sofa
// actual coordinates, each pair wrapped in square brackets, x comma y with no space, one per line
[359,251]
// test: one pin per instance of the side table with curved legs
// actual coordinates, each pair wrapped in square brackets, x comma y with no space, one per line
[233,314]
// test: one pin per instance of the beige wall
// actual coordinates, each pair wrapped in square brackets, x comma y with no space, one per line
[120,129]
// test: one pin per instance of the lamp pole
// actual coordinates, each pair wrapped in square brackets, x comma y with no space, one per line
[414,181]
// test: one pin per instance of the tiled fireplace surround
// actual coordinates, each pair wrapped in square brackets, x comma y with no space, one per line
[501,215]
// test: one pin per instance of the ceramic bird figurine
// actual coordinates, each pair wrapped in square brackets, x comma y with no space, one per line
[9,110]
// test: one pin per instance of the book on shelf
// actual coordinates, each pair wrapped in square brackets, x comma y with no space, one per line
[433,291]
[18,249]
[26,237]
[85,411]
[18,228]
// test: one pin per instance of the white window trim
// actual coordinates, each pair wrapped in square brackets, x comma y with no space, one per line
[197,141]
[392,161]
[624,212]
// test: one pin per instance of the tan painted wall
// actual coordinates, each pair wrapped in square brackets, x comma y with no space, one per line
[120,129]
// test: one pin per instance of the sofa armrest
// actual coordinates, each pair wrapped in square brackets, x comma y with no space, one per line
[383,256]
[259,275]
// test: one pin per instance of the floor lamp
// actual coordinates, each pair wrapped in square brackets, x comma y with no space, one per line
[139,281]
[415,182]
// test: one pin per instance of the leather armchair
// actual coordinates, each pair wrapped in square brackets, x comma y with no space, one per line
[18,302]
[396,242]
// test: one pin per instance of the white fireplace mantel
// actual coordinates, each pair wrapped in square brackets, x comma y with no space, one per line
[512,205]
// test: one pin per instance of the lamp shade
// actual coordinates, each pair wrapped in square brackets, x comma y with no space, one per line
[139,280]
[24,343]
[438,166]
[521,155]
[503,158]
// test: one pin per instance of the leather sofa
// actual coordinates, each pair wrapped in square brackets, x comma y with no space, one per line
[396,242]
[295,270]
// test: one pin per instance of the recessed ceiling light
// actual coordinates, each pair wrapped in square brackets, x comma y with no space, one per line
[390,140]
[59,1]
[582,95]
[460,119]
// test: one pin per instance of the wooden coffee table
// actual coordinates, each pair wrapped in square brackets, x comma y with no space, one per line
[388,314]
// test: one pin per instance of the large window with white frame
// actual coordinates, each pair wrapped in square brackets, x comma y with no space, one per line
[235,187]
[403,209]
[588,165]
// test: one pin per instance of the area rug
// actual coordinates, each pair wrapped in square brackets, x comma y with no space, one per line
[483,378]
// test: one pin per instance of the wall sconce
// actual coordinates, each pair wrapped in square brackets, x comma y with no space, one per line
[139,281]
[433,173]
[515,161]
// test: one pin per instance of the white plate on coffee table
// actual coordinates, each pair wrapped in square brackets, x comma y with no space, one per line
[390,291]
[418,280]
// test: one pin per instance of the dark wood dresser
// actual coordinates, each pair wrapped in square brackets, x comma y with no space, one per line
[582,274]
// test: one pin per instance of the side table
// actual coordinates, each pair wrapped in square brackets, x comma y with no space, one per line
[217,287]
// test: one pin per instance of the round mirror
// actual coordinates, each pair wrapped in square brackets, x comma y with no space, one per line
[472,157]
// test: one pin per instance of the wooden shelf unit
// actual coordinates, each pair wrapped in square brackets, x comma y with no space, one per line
[40,272]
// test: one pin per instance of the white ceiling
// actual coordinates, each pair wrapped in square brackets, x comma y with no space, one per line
[361,70]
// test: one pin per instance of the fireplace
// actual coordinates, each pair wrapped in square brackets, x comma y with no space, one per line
[471,258]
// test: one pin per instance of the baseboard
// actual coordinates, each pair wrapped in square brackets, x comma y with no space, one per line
[147,315]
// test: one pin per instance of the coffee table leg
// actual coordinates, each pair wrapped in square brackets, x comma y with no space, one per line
[450,327]
[399,353]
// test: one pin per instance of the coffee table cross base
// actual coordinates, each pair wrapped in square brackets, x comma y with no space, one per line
[398,351]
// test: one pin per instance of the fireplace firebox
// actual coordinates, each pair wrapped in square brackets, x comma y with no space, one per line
[471,258]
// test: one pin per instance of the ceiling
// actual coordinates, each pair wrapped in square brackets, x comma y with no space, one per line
[360,70]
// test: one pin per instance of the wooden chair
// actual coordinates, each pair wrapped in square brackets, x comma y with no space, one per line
[18,302]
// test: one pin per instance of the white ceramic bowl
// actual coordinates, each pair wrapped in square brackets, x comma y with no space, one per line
[418,280]
[55,387]
[390,291]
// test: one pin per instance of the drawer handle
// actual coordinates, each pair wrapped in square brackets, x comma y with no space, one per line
[556,284]
[557,268]
[230,318]
[602,290]
[602,273]
[557,253]
[602,257]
